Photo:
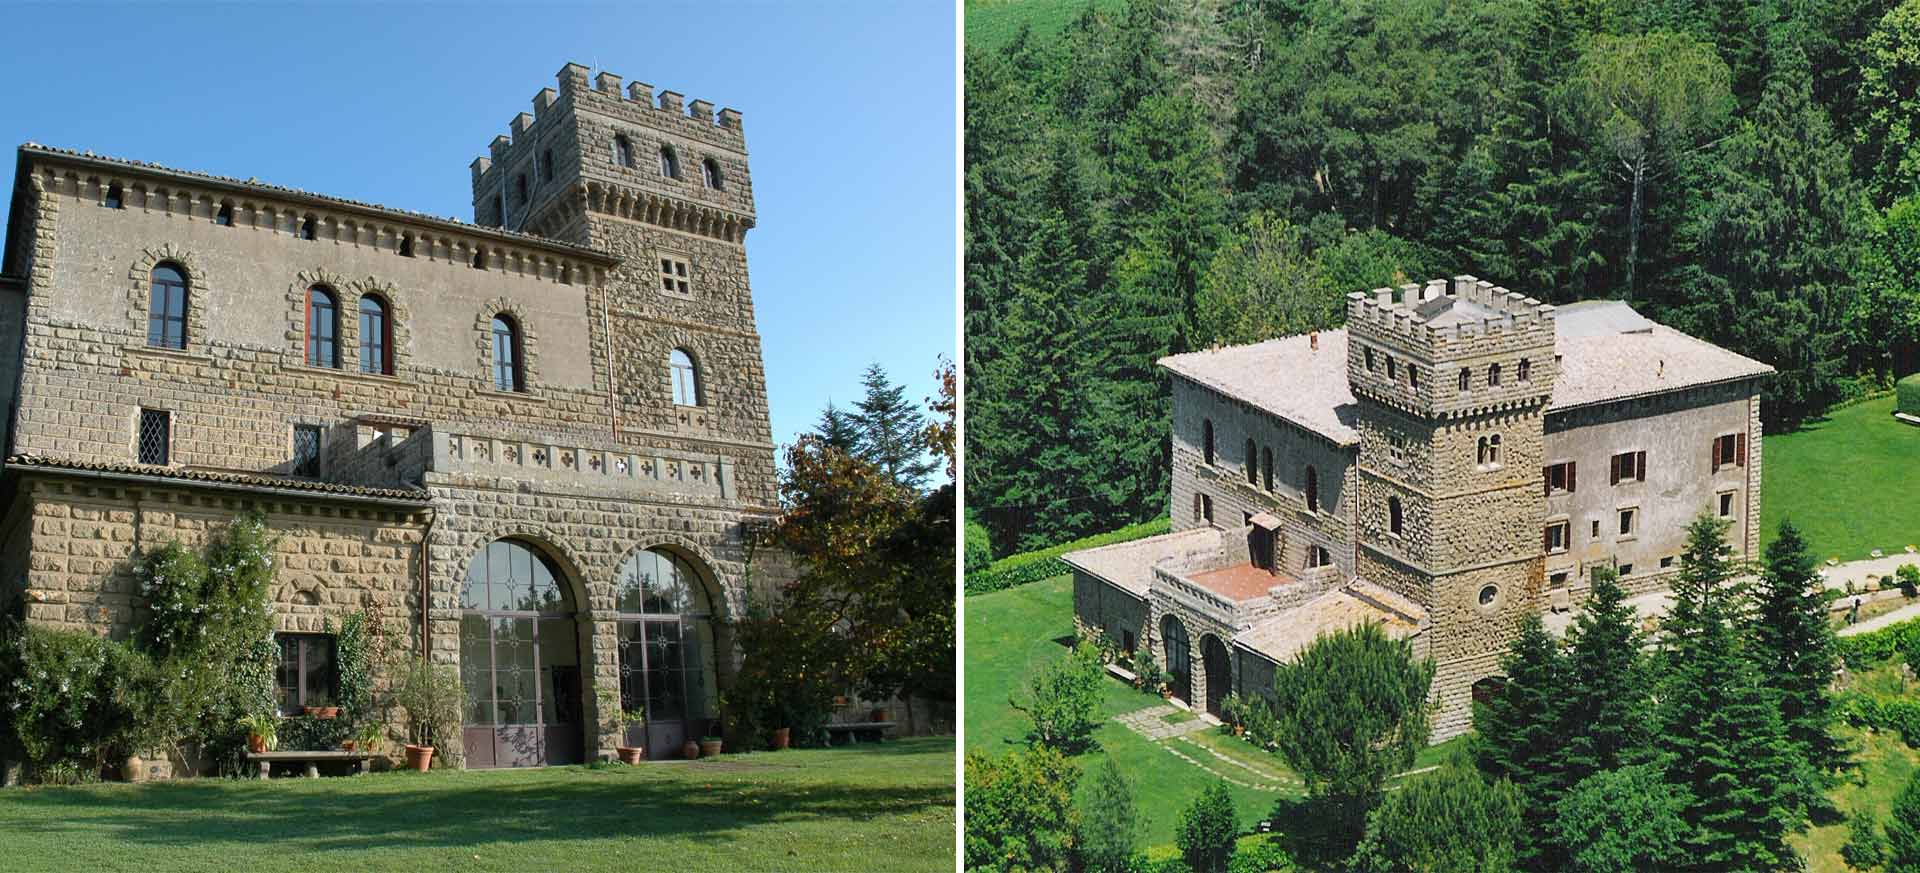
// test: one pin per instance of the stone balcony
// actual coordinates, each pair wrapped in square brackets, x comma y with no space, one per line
[1223,585]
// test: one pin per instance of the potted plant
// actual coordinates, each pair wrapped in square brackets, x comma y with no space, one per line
[618,721]
[321,706]
[262,732]
[709,746]
[782,738]
[690,749]
[365,737]
[878,714]
[432,697]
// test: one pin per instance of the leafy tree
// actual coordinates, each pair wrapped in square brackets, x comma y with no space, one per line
[1719,725]
[1351,711]
[1020,812]
[979,546]
[1449,821]
[892,430]
[1798,655]
[1890,102]
[1866,845]
[1263,284]
[1063,701]
[1903,829]
[1622,821]
[1607,705]
[1519,735]
[1884,319]
[1643,100]
[1109,824]
[1208,829]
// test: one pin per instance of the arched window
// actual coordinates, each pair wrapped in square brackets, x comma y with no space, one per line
[519,659]
[167,307]
[1525,371]
[1253,464]
[623,151]
[1413,376]
[1313,489]
[506,355]
[669,163]
[1463,379]
[1493,449]
[376,337]
[1480,452]
[323,328]
[710,171]
[667,646]
[406,246]
[115,198]
[1206,439]
[479,259]
[1493,375]
[1393,515]
[1266,467]
[685,378]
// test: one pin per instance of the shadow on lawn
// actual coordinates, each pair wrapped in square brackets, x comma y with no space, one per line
[458,809]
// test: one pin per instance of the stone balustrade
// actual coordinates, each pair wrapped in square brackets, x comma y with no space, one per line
[711,478]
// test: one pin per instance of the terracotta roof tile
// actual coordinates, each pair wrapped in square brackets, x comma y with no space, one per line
[416,495]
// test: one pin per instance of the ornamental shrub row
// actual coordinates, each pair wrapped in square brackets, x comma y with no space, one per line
[1016,570]
[1883,714]
[1893,641]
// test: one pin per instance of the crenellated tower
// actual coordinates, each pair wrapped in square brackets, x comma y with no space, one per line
[1453,381]
[663,184]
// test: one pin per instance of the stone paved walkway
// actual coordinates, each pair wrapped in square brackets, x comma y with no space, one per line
[1911,610]
[1152,723]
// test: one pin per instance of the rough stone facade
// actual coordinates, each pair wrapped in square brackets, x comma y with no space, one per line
[1430,431]
[426,460]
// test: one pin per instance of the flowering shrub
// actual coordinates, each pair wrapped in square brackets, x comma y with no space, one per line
[73,700]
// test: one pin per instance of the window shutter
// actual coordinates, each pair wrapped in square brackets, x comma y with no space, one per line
[1546,539]
[1640,466]
[1613,472]
[1714,458]
[1572,467]
[1742,456]
[1546,480]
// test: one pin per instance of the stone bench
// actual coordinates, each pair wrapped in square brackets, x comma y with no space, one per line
[311,759]
[855,730]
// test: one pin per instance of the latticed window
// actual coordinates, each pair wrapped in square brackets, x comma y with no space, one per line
[376,337]
[323,328]
[167,308]
[674,276]
[666,638]
[306,450]
[156,436]
[506,355]
[686,379]
[305,672]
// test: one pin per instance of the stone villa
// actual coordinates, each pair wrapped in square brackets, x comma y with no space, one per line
[1458,457]
[538,441]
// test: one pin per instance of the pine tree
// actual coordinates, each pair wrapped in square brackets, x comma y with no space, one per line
[1607,706]
[1109,825]
[1798,654]
[1719,726]
[838,430]
[890,428]
[1903,829]
[1518,736]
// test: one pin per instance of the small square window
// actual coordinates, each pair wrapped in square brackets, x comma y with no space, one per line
[1626,522]
[1595,533]
[1558,537]
[675,277]
[1626,570]
[306,450]
[156,436]
[1726,504]
[1558,580]
[1666,562]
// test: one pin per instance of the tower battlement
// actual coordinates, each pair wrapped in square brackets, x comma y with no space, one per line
[1450,347]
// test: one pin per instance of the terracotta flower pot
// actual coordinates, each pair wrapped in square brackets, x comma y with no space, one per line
[322,712]
[709,748]
[419,757]
[879,714]
[256,743]
[630,754]
[781,737]
[348,745]
[690,750]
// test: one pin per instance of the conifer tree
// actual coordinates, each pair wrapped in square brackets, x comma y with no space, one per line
[1798,654]
[890,428]
[1109,824]
[1518,735]
[838,431]
[1606,695]
[1719,725]
[1902,840]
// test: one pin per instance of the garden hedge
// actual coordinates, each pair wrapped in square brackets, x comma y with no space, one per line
[1013,571]
[1907,394]
[1865,650]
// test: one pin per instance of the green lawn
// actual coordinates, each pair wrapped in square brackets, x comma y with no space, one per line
[1013,633]
[831,809]
[1848,482]
[994,23]
[1886,763]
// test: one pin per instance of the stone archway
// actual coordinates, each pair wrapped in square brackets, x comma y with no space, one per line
[1218,663]
[520,658]
[666,602]
[1173,636]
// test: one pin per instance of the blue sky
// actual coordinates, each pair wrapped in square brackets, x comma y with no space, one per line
[848,110]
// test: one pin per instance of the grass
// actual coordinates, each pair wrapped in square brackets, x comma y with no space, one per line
[1014,633]
[1846,480]
[827,809]
[991,24]
[1885,766]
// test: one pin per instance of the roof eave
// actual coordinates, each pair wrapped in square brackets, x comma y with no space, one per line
[425,501]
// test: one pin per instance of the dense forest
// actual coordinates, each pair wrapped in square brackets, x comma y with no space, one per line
[1162,177]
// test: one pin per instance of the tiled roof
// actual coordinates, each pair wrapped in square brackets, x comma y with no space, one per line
[270,190]
[245,480]
[1607,352]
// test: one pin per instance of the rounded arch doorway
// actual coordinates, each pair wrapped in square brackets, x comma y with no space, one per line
[520,659]
[1219,666]
[1179,657]
[665,612]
